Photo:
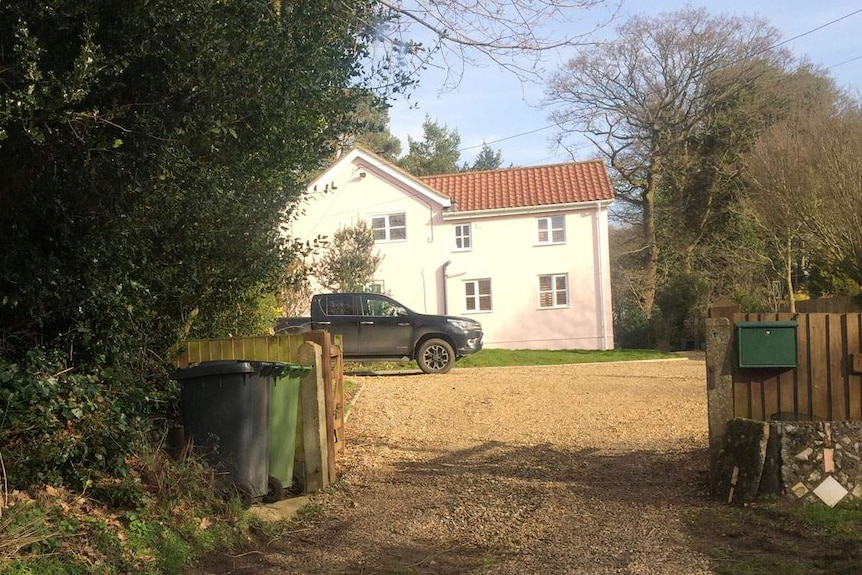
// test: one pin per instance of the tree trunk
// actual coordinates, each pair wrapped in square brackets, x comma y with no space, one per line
[649,238]
[788,276]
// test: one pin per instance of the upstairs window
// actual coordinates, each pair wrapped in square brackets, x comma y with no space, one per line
[551,230]
[463,237]
[553,291]
[389,227]
[477,295]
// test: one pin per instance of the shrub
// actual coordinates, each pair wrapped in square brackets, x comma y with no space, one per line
[63,425]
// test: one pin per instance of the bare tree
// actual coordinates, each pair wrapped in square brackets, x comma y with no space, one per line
[512,34]
[642,99]
[776,174]
[807,180]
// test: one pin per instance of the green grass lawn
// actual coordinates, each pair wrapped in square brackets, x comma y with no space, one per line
[505,357]
[510,357]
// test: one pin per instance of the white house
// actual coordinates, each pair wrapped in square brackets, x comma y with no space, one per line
[522,250]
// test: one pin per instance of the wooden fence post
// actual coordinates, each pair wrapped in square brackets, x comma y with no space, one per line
[322,338]
[314,427]
[719,383]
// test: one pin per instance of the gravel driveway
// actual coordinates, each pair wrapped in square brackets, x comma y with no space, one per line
[586,469]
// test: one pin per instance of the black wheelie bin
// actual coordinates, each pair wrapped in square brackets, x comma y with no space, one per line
[225,406]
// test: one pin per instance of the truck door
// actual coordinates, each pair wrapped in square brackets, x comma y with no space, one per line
[340,314]
[384,329]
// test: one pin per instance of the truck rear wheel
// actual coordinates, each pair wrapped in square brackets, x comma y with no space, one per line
[435,356]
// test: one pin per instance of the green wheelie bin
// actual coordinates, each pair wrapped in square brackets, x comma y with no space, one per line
[283,416]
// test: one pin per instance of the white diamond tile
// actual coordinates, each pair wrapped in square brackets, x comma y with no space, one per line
[830,491]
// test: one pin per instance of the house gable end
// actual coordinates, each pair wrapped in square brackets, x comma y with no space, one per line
[366,161]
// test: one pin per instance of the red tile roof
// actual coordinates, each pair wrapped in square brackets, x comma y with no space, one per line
[525,187]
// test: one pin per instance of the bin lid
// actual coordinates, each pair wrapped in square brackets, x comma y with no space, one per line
[294,370]
[227,367]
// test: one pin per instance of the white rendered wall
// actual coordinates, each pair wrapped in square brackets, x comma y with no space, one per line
[504,249]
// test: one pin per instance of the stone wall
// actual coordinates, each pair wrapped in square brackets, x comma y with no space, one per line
[806,461]
[821,461]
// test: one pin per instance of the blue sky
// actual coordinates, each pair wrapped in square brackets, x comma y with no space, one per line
[492,105]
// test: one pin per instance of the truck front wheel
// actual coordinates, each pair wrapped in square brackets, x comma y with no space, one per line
[435,356]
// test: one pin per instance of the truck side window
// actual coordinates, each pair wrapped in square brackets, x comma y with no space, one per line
[340,305]
[380,308]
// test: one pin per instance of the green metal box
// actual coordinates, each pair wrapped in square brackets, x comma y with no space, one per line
[766,343]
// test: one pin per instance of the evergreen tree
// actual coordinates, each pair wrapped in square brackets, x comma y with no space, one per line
[486,159]
[436,153]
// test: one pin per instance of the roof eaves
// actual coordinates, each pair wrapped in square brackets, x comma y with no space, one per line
[526,210]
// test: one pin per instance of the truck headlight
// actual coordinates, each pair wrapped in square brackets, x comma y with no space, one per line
[465,324]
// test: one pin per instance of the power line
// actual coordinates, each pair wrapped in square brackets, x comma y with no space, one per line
[787,41]
[822,26]
[508,138]
[844,62]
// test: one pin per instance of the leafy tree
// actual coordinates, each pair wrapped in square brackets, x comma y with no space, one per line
[148,152]
[645,96]
[294,297]
[820,281]
[348,263]
[436,153]
[486,159]
[680,302]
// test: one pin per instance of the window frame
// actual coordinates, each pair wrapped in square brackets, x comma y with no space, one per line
[477,296]
[388,227]
[461,237]
[550,229]
[554,292]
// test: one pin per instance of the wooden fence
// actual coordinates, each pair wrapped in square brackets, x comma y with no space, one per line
[832,304]
[257,348]
[823,386]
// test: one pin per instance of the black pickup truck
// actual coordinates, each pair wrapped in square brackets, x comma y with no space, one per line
[375,327]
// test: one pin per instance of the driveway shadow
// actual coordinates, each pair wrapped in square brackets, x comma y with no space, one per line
[627,476]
